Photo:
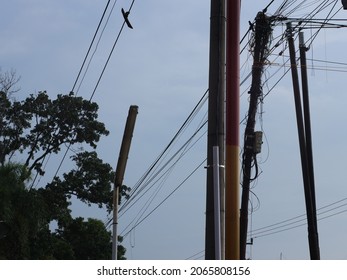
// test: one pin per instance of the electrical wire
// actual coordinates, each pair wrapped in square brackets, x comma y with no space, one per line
[155,173]
[142,181]
[295,222]
[197,255]
[98,81]
[74,85]
[289,7]
[96,47]
[91,45]
[125,233]
[183,150]
[288,223]
[286,5]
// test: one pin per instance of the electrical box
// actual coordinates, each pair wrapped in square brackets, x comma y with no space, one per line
[258,141]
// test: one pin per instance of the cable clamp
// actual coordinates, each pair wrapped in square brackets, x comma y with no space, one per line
[219,165]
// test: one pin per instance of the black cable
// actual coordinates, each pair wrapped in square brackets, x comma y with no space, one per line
[91,44]
[166,198]
[161,169]
[98,82]
[135,191]
[302,217]
[195,255]
[154,164]
[96,47]
[76,80]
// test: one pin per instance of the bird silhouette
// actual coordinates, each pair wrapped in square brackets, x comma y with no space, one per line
[125,16]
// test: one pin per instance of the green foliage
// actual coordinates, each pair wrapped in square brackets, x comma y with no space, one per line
[21,211]
[124,192]
[38,126]
[87,239]
[90,182]
[33,129]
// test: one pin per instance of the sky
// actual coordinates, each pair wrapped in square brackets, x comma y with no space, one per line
[161,65]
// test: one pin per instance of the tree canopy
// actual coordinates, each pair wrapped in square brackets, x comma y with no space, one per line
[31,130]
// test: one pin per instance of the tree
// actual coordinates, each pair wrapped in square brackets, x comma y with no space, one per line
[32,129]
[8,82]
[20,211]
[88,239]
[39,126]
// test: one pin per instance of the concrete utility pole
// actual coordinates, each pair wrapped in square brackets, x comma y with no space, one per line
[309,192]
[215,130]
[120,170]
[232,134]
[262,34]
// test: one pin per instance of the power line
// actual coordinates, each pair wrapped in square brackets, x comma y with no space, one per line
[135,191]
[197,256]
[166,198]
[91,44]
[183,150]
[98,81]
[155,173]
[287,5]
[300,25]
[273,228]
[291,222]
[96,47]
[75,83]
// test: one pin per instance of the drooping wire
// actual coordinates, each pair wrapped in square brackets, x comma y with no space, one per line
[125,233]
[135,189]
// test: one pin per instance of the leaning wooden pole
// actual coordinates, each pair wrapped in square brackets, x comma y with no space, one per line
[232,146]
[120,170]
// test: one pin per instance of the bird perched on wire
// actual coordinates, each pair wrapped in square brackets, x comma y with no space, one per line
[125,16]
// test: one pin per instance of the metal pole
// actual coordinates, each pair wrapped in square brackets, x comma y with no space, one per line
[232,145]
[303,153]
[215,130]
[120,170]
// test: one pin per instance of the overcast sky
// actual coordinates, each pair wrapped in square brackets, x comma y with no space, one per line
[162,66]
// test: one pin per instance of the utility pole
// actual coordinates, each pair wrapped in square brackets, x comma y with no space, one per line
[120,170]
[232,135]
[215,130]
[262,34]
[307,121]
[311,214]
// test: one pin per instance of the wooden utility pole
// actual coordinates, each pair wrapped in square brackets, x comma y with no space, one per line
[232,135]
[311,214]
[120,170]
[215,130]
[307,121]
[262,34]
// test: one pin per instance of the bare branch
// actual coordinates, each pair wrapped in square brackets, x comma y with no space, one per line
[8,82]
